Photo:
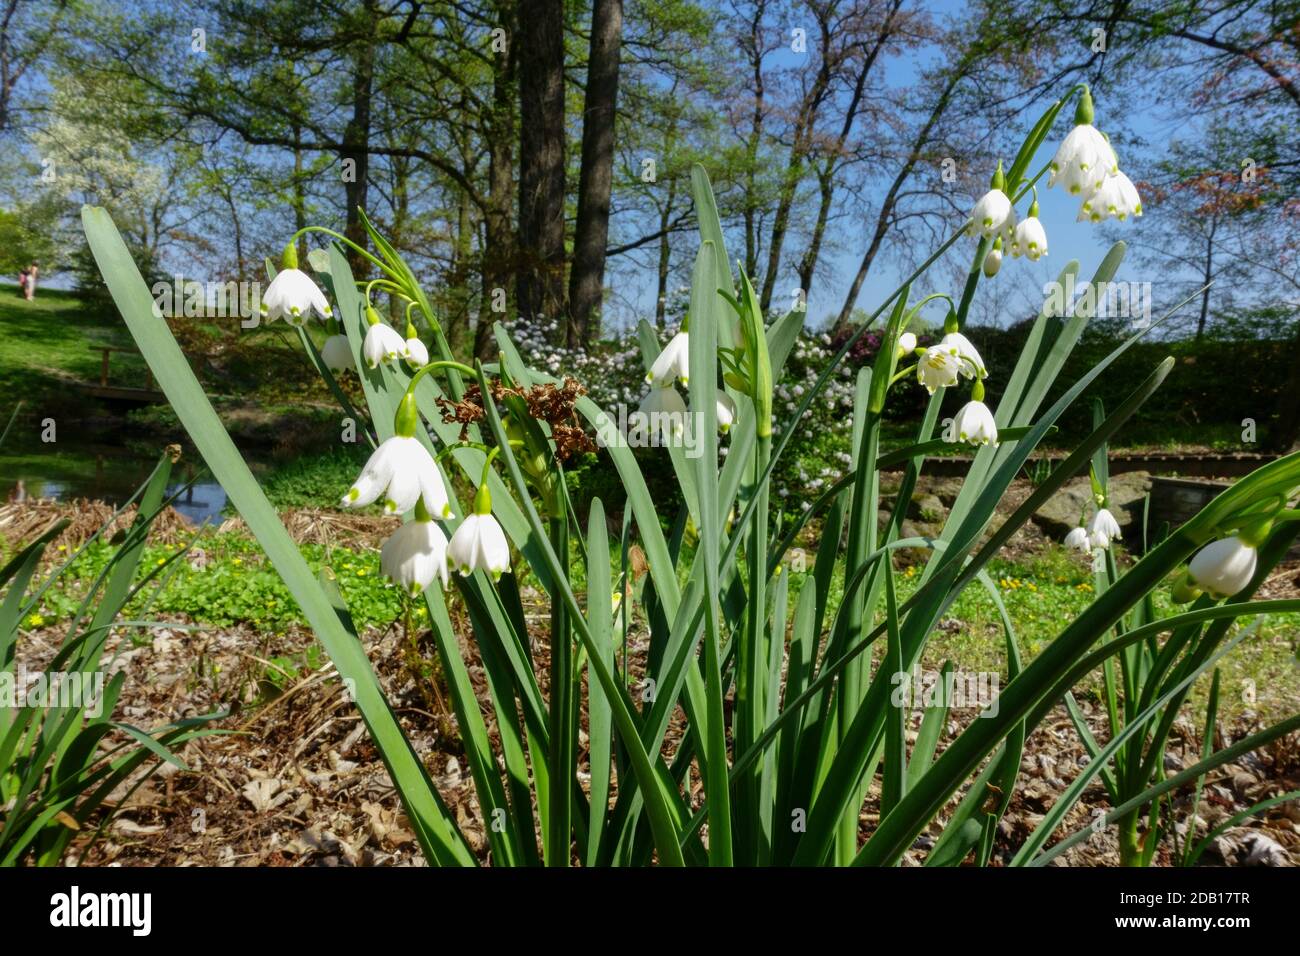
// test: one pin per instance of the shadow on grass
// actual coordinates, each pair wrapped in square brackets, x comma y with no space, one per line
[50,343]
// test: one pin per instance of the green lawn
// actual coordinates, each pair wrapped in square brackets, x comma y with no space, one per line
[48,343]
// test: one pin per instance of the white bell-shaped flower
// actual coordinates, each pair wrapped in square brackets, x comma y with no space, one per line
[417,355]
[1223,567]
[403,470]
[971,362]
[292,295]
[1115,198]
[336,353]
[990,213]
[1078,539]
[993,261]
[939,368]
[382,344]
[479,544]
[906,344]
[726,412]
[414,555]
[1103,529]
[1030,239]
[974,424]
[1083,161]
[675,359]
[665,413]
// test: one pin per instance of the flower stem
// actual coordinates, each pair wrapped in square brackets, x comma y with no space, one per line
[434,366]
[347,242]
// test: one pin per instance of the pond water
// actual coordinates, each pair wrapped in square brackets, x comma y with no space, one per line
[66,471]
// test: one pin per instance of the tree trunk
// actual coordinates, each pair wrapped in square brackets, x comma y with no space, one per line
[587,280]
[800,149]
[498,234]
[826,190]
[299,195]
[1207,276]
[401,169]
[665,254]
[541,159]
[355,152]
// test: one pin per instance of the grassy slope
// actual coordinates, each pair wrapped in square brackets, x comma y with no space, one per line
[47,343]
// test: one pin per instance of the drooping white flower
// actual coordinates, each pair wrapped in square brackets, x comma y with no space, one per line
[675,359]
[336,353]
[990,213]
[1083,161]
[1008,230]
[414,555]
[1030,239]
[404,470]
[992,262]
[479,544]
[726,411]
[938,368]
[1115,198]
[974,424]
[1102,529]
[382,344]
[971,362]
[416,353]
[1078,538]
[665,413]
[293,296]
[906,344]
[1223,567]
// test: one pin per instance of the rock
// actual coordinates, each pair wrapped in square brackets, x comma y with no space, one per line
[927,508]
[1061,512]
[923,508]
[946,489]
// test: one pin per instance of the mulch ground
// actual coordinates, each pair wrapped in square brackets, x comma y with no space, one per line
[298,782]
